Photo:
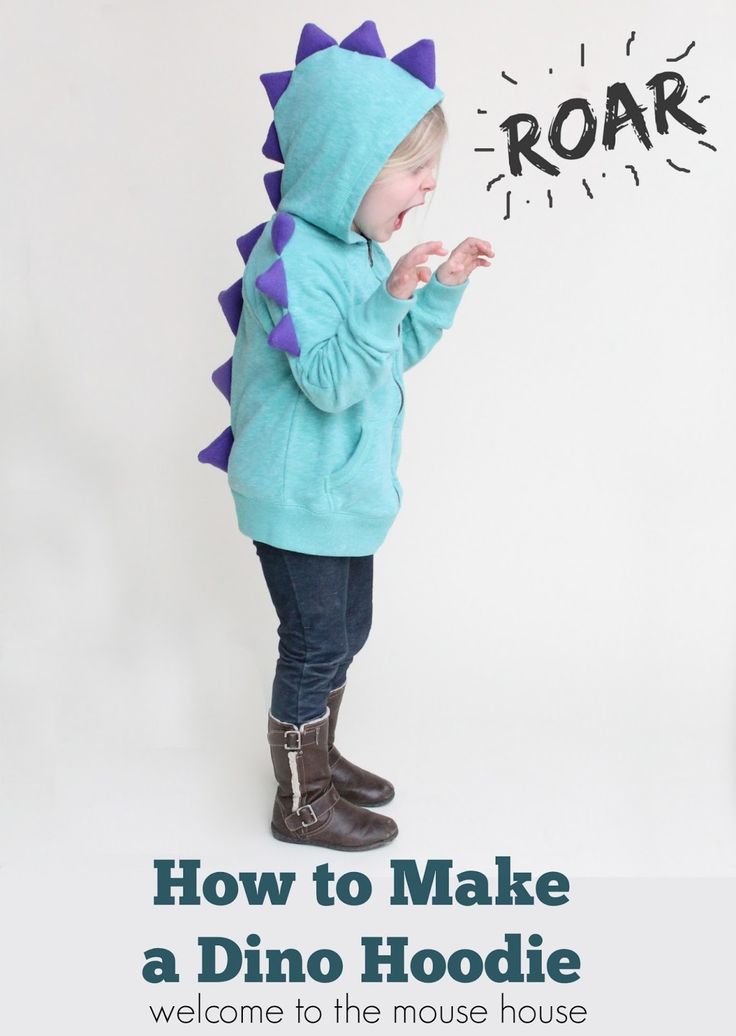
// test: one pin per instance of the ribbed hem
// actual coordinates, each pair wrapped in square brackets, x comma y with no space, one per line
[295,528]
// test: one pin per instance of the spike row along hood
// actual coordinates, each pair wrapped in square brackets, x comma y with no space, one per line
[315,380]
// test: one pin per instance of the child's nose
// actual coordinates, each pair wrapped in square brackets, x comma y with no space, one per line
[429,183]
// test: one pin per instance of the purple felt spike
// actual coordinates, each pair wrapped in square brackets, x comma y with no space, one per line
[311,40]
[418,59]
[231,300]
[218,451]
[272,282]
[365,40]
[274,84]
[281,230]
[272,147]
[283,336]
[246,242]
[272,181]
[223,378]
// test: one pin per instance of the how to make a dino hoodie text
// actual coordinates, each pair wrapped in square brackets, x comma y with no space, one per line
[315,383]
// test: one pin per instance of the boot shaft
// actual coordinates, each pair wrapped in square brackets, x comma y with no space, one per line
[300,758]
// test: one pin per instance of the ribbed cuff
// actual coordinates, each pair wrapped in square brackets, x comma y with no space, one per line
[387,303]
[440,301]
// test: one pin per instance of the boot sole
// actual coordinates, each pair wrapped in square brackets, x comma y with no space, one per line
[328,845]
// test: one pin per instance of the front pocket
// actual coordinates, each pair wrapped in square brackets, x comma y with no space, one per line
[364,484]
[347,471]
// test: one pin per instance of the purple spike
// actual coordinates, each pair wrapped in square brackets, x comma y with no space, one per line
[311,40]
[274,84]
[223,378]
[283,336]
[231,300]
[246,242]
[281,230]
[218,451]
[365,40]
[272,147]
[418,59]
[272,282]
[272,181]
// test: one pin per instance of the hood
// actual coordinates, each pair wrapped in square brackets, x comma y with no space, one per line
[338,116]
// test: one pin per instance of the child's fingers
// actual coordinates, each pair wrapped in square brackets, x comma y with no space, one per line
[421,252]
[478,245]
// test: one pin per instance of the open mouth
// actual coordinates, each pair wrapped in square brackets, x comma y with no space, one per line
[400,218]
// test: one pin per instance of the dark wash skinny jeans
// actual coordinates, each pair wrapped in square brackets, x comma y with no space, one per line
[325,607]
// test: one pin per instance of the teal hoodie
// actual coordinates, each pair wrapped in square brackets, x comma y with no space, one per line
[316,380]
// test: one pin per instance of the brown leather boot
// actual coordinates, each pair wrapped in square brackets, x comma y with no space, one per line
[354,784]
[308,809]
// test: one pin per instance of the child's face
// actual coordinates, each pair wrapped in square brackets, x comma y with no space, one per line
[385,203]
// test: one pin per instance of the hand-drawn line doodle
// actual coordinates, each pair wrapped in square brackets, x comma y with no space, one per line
[684,53]
[523,129]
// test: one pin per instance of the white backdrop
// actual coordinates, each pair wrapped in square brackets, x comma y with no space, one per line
[552,663]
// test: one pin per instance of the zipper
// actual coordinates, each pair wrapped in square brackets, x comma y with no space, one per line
[401,407]
[398,326]
[396,419]
[398,332]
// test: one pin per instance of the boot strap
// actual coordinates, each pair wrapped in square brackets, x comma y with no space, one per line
[307,815]
[293,740]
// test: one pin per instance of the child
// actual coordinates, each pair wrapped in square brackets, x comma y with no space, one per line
[317,399]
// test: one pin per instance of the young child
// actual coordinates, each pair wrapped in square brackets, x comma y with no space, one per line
[326,332]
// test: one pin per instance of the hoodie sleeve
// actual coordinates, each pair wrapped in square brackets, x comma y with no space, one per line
[345,350]
[433,313]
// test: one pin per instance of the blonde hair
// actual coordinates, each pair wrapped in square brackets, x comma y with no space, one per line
[423,143]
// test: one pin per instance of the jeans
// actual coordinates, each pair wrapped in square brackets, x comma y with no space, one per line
[324,606]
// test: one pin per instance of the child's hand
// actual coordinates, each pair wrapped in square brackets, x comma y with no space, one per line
[408,272]
[463,260]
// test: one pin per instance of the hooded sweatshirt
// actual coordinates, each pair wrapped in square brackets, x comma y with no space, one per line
[316,380]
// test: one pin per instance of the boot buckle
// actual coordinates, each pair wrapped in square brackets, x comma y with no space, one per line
[314,818]
[297,744]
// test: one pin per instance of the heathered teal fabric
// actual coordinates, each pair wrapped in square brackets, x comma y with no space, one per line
[317,436]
